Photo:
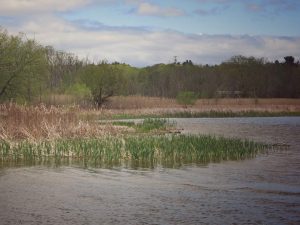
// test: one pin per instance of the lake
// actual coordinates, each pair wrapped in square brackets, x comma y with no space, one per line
[262,190]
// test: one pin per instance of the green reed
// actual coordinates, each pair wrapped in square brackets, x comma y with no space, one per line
[148,124]
[167,150]
[207,114]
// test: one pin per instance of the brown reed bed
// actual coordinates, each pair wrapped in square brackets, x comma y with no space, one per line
[40,122]
[54,122]
[37,133]
[140,107]
[215,104]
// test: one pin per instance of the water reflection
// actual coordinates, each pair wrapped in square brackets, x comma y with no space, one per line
[53,162]
[69,162]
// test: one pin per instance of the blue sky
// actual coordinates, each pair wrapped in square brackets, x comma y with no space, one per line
[261,17]
[145,32]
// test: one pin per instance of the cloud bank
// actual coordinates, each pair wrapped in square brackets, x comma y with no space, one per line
[149,9]
[266,7]
[141,47]
[21,7]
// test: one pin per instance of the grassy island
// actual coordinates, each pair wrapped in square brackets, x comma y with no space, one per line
[39,133]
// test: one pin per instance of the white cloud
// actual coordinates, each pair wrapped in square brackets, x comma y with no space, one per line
[148,9]
[16,7]
[265,7]
[142,47]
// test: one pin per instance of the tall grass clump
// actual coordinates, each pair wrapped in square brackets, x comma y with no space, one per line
[147,125]
[34,123]
[186,98]
[169,151]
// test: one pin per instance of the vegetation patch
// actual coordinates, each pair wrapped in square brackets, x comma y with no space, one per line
[186,98]
[147,125]
[38,134]
[205,114]
[166,150]
[31,73]
[150,124]
[123,123]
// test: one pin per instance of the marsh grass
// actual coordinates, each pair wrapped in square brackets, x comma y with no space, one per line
[147,125]
[37,134]
[202,114]
[123,123]
[121,107]
[216,104]
[225,114]
[169,151]
[34,123]
[150,124]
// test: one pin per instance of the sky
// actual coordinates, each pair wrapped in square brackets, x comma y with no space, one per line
[147,32]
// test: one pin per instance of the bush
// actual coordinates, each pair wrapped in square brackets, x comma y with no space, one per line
[186,98]
[79,91]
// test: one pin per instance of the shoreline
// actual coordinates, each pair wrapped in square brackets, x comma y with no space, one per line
[196,114]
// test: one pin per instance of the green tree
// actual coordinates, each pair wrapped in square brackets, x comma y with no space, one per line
[186,98]
[104,81]
[23,67]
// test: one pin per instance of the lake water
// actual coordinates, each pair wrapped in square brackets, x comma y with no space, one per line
[263,190]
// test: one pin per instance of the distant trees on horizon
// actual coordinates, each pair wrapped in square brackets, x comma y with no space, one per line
[29,71]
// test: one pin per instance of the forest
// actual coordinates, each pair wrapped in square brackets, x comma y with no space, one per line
[32,73]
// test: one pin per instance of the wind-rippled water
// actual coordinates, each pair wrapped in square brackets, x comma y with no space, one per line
[263,190]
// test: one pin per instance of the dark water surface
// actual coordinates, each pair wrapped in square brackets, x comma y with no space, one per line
[263,190]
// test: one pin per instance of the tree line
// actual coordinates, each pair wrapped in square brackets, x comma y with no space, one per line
[29,71]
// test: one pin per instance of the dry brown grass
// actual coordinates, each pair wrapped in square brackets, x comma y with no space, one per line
[64,100]
[41,122]
[140,102]
[131,103]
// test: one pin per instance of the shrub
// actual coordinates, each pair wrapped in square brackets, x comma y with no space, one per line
[186,97]
[79,91]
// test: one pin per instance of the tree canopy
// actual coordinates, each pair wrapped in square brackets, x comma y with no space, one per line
[22,67]
[29,70]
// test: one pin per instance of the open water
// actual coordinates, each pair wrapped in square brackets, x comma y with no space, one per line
[262,190]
